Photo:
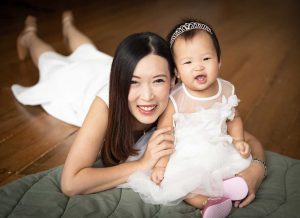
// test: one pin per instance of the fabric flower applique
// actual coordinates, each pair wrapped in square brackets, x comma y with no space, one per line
[229,105]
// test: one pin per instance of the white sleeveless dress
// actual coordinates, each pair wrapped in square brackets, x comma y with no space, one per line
[68,85]
[204,154]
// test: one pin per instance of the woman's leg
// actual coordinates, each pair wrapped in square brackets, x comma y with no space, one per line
[72,35]
[29,41]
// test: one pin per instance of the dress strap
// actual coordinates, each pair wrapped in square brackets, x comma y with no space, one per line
[227,86]
[174,103]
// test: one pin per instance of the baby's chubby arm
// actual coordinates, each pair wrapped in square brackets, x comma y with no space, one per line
[236,130]
[165,120]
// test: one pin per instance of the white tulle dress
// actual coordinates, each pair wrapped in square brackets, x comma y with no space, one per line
[68,84]
[204,154]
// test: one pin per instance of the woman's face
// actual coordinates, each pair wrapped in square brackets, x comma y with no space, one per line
[150,88]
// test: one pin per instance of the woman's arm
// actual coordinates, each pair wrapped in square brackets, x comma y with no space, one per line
[255,173]
[257,149]
[78,176]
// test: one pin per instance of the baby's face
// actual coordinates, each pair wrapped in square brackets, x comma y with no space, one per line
[197,63]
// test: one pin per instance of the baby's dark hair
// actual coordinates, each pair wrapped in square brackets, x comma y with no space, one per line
[189,34]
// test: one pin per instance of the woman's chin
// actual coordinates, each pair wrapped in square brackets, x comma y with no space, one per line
[148,120]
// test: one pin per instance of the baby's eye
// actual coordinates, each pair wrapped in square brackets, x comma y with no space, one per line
[207,58]
[187,62]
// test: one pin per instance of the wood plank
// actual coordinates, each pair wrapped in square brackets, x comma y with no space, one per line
[53,158]
[30,141]
[50,159]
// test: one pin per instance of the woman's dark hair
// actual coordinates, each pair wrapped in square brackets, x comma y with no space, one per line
[191,33]
[119,135]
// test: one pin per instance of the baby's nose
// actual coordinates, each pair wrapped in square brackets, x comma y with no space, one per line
[199,66]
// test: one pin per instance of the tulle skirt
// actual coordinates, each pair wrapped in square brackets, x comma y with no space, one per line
[191,170]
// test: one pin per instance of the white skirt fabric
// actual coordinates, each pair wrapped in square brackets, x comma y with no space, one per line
[68,84]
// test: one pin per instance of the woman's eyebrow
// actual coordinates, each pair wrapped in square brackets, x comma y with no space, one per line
[160,75]
[133,76]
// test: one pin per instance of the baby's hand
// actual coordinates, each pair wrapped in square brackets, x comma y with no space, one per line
[157,174]
[243,147]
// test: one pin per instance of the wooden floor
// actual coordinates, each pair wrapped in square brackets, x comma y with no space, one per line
[260,54]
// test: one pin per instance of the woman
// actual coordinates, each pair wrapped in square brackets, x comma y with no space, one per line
[140,81]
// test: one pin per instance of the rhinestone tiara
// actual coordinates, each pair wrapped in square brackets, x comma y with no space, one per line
[187,27]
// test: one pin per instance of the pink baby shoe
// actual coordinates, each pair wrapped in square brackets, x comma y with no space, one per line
[235,188]
[219,207]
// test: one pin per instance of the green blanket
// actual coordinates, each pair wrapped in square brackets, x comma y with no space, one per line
[39,195]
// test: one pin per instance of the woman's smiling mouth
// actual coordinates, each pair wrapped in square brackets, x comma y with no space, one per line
[147,109]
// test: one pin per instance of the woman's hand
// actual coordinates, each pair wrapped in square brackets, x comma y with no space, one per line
[160,144]
[253,176]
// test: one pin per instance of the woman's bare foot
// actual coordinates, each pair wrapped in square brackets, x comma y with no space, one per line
[67,21]
[73,38]
[30,28]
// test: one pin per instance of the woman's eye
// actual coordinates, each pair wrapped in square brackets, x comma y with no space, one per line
[133,82]
[159,81]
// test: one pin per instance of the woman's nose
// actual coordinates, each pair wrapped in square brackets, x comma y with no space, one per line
[147,93]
